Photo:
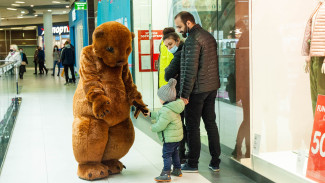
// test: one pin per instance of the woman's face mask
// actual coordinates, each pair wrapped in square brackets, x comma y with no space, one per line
[173,49]
[11,50]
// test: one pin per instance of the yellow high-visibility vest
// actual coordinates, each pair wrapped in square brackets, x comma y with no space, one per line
[165,58]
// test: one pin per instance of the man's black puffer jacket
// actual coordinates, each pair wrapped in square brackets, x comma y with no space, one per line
[199,63]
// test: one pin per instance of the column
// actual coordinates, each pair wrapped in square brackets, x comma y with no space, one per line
[48,38]
[91,20]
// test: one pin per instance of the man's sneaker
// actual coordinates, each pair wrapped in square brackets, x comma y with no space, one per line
[187,169]
[214,168]
[177,172]
[164,177]
[66,84]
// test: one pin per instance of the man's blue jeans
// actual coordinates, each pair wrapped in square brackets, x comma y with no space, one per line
[56,63]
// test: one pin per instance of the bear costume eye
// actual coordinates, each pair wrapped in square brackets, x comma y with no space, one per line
[110,49]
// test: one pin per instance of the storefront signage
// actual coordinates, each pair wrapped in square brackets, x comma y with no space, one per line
[80,5]
[74,16]
[149,49]
[123,21]
[56,30]
[316,160]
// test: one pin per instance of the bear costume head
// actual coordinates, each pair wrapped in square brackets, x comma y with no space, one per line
[112,50]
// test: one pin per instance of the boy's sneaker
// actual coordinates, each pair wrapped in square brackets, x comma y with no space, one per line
[187,169]
[214,168]
[164,177]
[177,172]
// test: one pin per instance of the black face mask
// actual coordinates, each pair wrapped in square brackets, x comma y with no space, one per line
[11,50]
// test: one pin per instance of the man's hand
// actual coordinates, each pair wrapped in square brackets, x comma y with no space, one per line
[185,100]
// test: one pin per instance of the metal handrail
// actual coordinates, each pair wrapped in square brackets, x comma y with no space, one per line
[6,64]
[13,66]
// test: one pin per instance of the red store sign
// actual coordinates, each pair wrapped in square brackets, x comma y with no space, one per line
[149,49]
[316,160]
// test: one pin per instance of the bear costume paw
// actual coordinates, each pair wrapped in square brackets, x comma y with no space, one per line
[114,166]
[101,106]
[140,107]
[93,171]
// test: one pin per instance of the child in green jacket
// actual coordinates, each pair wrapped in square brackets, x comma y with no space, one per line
[168,124]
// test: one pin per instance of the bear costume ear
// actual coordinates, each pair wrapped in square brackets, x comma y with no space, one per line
[133,35]
[99,33]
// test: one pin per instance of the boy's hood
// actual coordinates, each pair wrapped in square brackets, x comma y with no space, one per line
[176,106]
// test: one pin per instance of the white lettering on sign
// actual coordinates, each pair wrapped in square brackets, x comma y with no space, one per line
[59,30]
[319,143]
[321,108]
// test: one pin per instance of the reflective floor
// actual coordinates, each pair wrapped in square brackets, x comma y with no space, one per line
[41,151]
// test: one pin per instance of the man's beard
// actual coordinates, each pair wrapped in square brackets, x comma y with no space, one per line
[184,33]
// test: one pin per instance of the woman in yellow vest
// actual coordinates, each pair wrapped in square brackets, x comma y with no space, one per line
[165,58]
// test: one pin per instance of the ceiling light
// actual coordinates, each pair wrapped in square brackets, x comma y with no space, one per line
[22,11]
[20,2]
[1,29]
[56,2]
[16,28]
[67,6]
[35,15]
[2,18]
[64,11]
[15,4]
[30,27]
[20,17]
[31,5]
[49,10]
[11,9]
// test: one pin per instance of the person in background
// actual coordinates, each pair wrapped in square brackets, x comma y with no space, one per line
[24,62]
[168,125]
[68,61]
[199,88]
[56,59]
[36,60]
[41,60]
[174,44]
[14,55]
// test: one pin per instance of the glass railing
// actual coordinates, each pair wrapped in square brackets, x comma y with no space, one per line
[9,104]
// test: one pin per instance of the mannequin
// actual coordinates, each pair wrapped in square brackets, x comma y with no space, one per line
[314,50]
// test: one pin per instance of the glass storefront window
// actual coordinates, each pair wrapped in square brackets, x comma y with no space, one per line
[282,112]
[264,111]
[228,22]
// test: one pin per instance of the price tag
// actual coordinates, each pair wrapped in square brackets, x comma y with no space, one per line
[257,143]
[316,160]
[301,158]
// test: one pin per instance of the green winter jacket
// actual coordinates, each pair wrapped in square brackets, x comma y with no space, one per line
[167,122]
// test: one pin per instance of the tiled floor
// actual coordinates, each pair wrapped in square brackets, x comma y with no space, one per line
[41,151]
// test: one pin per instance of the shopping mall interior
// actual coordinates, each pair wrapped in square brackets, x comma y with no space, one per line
[267,131]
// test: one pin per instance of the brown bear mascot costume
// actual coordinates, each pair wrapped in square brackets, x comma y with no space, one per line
[102,129]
